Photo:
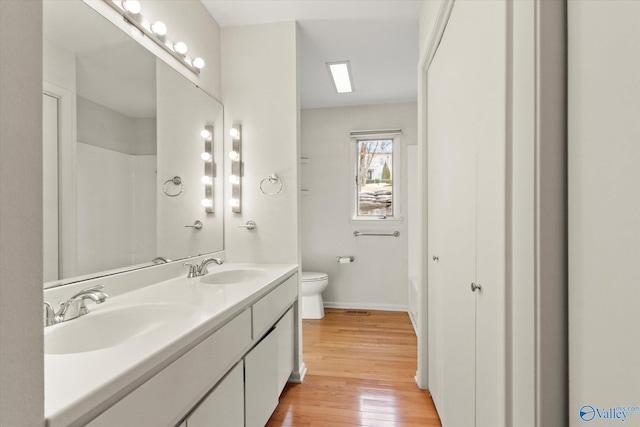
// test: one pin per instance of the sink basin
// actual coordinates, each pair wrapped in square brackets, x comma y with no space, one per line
[111,327]
[233,276]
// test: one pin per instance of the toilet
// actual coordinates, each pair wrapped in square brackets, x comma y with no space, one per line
[313,283]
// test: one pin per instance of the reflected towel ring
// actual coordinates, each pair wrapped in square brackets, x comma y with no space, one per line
[272,179]
[176,180]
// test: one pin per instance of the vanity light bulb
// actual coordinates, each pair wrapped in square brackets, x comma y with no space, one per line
[206,180]
[235,133]
[205,134]
[207,203]
[205,156]
[132,6]
[234,155]
[234,203]
[180,48]
[198,63]
[159,28]
[234,179]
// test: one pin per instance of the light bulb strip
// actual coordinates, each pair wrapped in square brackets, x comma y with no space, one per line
[236,169]
[138,21]
[209,167]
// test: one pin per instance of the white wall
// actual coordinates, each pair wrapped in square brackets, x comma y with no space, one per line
[21,338]
[260,91]
[378,277]
[604,209]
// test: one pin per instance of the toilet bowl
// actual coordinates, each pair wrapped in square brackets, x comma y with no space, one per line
[313,283]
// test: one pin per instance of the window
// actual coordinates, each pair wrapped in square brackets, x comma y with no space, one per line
[375,181]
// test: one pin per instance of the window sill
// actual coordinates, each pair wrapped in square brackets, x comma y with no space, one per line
[377,221]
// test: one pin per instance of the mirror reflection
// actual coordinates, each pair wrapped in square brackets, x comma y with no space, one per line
[118,124]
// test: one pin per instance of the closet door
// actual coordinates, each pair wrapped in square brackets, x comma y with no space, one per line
[452,228]
[487,45]
[466,149]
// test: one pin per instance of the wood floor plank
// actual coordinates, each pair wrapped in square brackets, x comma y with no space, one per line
[360,372]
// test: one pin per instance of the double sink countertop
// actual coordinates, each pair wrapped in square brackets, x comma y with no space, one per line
[95,360]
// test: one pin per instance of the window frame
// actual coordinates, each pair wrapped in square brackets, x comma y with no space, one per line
[396,137]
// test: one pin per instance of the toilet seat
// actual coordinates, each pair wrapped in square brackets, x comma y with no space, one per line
[314,276]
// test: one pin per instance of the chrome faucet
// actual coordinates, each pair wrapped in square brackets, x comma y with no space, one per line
[75,306]
[196,270]
[202,268]
[160,260]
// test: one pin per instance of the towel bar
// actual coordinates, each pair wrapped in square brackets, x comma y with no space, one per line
[359,233]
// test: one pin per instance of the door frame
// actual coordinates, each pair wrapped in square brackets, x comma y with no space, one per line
[67,176]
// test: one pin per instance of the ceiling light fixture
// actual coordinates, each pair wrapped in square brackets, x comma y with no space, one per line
[340,76]
[156,31]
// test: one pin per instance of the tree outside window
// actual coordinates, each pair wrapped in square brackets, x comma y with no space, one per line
[375,178]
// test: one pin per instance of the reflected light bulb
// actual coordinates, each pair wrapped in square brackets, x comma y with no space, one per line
[207,203]
[132,6]
[235,133]
[180,48]
[234,179]
[234,203]
[234,155]
[206,180]
[159,28]
[205,134]
[198,63]
[205,156]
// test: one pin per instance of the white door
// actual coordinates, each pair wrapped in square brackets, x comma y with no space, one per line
[466,151]
[452,213]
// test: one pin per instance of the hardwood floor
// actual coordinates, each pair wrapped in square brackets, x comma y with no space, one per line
[360,372]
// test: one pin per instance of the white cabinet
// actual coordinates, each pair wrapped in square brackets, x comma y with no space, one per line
[201,390]
[261,381]
[224,406]
[467,225]
[169,395]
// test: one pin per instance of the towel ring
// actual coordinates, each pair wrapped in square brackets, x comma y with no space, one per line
[272,179]
[176,180]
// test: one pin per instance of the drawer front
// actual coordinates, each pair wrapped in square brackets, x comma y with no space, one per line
[168,396]
[267,310]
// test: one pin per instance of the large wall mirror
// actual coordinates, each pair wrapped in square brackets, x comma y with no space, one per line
[119,126]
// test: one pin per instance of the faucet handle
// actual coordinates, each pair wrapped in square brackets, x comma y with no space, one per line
[193,269]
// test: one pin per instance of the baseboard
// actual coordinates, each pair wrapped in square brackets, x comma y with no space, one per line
[366,306]
[413,322]
[298,376]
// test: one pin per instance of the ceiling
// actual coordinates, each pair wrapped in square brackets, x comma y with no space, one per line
[378,37]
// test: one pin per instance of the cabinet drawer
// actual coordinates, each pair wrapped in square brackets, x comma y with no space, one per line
[168,396]
[267,310]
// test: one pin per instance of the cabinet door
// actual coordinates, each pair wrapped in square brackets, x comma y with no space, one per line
[224,407]
[261,381]
[284,328]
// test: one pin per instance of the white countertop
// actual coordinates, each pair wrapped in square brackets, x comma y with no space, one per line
[77,384]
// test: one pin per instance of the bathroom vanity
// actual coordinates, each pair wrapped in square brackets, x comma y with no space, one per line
[211,350]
